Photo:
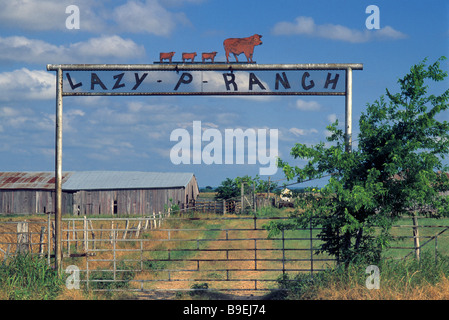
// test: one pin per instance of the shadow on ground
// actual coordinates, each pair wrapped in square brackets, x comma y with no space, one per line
[207,295]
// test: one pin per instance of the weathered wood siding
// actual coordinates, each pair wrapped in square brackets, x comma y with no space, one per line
[31,201]
[132,201]
[95,202]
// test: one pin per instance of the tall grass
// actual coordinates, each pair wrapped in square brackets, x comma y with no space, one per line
[24,277]
[399,279]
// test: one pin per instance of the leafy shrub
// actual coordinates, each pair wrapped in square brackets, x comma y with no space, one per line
[24,277]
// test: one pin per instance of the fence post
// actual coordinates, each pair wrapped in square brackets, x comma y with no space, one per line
[93,234]
[74,234]
[138,229]
[311,249]
[68,238]
[283,252]
[23,241]
[41,242]
[242,191]
[85,234]
[112,233]
[154,220]
[48,239]
[126,229]
[254,198]
[416,236]
[146,223]
[53,235]
[436,249]
[114,254]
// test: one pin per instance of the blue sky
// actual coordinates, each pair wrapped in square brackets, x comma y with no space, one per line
[124,133]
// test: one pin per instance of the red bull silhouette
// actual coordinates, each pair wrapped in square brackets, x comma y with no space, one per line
[238,46]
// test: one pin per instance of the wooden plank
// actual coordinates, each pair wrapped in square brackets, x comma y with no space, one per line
[93,234]
[126,229]
[41,242]
[23,241]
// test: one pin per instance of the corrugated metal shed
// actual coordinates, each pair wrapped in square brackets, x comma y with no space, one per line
[96,192]
[30,180]
[108,180]
[95,180]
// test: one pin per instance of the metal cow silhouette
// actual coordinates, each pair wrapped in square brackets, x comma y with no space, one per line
[237,46]
[166,55]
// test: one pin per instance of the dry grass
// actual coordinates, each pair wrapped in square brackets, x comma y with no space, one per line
[338,291]
[8,234]
[398,290]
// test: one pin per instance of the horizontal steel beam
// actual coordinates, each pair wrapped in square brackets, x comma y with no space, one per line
[227,93]
[209,66]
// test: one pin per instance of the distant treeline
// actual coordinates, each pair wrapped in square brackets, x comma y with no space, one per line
[277,191]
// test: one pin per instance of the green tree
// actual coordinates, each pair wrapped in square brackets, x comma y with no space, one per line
[396,166]
[228,189]
[261,186]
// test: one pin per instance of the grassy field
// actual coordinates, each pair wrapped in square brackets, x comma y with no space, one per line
[160,255]
[428,228]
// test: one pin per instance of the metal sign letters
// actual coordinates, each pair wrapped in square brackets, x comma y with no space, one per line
[200,79]
[297,82]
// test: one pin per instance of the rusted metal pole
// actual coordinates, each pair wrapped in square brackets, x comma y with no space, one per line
[58,172]
[348,110]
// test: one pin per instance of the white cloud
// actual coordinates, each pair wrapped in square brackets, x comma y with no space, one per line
[302,132]
[22,49]
[332,118]
[25,84]
[111,46]
[48,14]
[136,16]
[307,26]
[34,15]
[147,17]
[307,105]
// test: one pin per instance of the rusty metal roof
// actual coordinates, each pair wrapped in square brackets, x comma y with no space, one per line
[94,180]
[30,180]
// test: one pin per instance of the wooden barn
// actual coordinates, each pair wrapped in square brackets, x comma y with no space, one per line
[96,192]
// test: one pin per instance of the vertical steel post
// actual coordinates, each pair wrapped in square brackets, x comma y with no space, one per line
[58,172]
[311,248]
[348,110]
[416,236]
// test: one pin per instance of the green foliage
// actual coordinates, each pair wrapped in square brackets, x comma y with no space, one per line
[24,277]
[173,207]
[261,186]
[199,289]
[104,280]
[396,167]
[395,275]
[207,189]
[230,188]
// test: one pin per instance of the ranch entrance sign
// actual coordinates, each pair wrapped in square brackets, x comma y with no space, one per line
[194,79]
[268,80]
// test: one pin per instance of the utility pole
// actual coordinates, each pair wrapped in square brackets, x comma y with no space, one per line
[58,173]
